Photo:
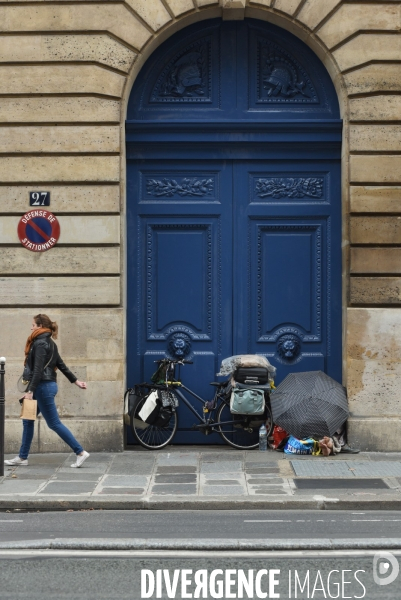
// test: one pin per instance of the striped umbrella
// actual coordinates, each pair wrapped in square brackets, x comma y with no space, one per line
[310,403]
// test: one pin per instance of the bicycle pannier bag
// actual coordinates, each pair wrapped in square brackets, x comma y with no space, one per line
[163,417]
[247,402]
[252,375]
[131,399]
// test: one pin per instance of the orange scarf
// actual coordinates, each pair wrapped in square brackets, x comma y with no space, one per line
[32,337]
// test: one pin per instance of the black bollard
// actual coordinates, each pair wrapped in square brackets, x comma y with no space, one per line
[2,413]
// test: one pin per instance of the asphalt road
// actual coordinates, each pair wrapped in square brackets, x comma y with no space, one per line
[52,575]
[200,525]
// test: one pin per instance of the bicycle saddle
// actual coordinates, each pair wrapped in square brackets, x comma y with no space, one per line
[217,383]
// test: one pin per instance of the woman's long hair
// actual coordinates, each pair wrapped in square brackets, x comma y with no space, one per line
[45,321]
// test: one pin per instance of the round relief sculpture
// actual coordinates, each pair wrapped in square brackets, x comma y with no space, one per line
[179,345]
[288,347]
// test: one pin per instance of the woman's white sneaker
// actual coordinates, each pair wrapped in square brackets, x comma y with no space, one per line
[81,459]
[17,461]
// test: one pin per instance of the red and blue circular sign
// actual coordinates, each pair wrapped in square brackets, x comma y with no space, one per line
[38,230]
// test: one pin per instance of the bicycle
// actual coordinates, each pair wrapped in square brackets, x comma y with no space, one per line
[239,431]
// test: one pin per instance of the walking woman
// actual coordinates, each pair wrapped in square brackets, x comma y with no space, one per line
[43,359]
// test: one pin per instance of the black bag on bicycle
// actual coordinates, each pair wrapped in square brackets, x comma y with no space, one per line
[160,416]
[163,417]
[252,375]
[132,397]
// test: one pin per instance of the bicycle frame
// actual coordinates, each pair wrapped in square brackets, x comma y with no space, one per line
[176,384]
[202,420]
[187,402]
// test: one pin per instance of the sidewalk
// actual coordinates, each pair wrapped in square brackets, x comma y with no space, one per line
[194,478]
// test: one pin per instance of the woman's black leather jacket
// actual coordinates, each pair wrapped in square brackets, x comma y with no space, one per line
[39,356]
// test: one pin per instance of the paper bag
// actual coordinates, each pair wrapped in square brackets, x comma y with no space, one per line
[28,409]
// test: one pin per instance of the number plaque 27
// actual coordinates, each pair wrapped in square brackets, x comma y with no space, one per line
[39,198]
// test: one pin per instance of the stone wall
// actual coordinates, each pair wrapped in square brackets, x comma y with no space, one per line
[65,76]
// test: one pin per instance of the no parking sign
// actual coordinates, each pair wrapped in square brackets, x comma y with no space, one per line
[38,230]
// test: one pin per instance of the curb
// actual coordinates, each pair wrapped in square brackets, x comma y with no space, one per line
[205,545]
[58,503]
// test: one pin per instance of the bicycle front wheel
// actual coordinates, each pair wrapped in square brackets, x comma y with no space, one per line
[243,434]
[152,437]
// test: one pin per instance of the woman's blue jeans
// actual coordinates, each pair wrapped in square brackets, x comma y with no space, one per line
[44,394]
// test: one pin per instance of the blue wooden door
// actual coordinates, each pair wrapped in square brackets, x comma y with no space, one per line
[233,206]
[234,257]
[287,263]
[180,245]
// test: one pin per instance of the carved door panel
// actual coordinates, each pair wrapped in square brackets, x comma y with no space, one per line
[180,246]
[287,261]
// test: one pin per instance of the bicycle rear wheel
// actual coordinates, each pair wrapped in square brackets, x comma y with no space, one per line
[243,435]
[152,437]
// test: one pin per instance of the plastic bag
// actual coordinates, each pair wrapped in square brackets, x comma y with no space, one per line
[280,436]
[305,446]
[160,375]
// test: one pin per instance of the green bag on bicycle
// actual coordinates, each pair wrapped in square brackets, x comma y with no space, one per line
[159,377]
[247,402]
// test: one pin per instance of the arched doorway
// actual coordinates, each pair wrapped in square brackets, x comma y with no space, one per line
[233,206]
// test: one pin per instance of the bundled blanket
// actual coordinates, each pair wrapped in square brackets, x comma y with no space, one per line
[231,364]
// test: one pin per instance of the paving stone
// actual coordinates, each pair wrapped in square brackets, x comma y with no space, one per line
[270,492]
[14,486]
[268,475]
[222,467]
[174,489]
[46,459]
[70,488]
[261,471]
[173,469]
[257,465]
[329,468]
[118,491]
[222,482]
[22,476]
[327,493]
[166,460]
[376,469]
[380,456]
[224,456]
[36,473]
[342,483]
[77,475]
[135,458]
[124,481]
[130,469]
[223,490]
[255,456]
[100,469]
[238,476]
[175,478]
[101,457]
[272,481]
